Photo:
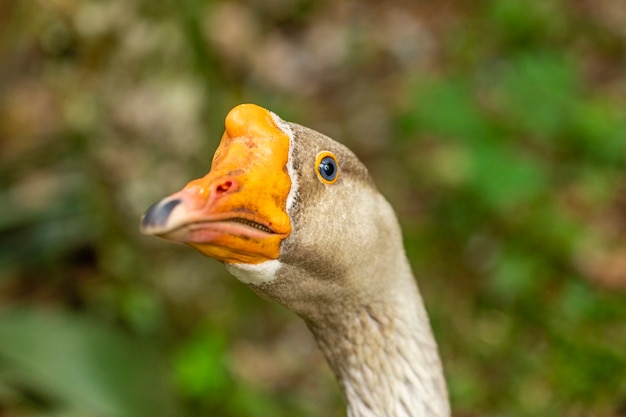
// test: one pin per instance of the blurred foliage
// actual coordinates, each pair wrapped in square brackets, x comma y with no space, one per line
[68,360]
[496,128]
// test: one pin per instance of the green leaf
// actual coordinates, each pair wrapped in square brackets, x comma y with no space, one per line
[85,364]
[524,23]
[599,130]
[447,109]
[505,179]
[201,367]
[537,93]
[514,277]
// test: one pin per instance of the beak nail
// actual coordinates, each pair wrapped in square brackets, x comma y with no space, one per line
[158,214]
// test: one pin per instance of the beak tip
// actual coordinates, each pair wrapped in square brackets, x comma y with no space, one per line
[157,215]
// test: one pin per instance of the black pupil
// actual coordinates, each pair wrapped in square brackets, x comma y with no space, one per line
[328,168]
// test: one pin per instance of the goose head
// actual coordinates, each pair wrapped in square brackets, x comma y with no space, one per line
[289,211]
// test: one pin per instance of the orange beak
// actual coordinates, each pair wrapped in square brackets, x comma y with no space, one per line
[237,212]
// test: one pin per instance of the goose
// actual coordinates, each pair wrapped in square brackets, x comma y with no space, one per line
[295,215]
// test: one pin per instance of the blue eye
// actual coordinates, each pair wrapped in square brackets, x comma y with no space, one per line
[327,168]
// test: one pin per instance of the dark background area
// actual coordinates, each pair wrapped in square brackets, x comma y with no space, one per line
[497,129]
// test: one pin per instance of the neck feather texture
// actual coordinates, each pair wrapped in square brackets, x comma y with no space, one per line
[344,270]
[385,357]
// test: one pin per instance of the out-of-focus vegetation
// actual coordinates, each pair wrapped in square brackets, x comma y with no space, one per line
[497,128]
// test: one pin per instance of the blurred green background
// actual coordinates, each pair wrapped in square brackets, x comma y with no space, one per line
[497,129]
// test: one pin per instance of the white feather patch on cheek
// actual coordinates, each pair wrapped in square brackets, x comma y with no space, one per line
[255,274]
[284,126]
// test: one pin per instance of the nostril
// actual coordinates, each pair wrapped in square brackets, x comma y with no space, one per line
[223,187]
